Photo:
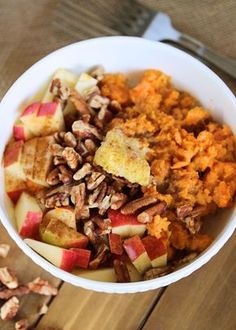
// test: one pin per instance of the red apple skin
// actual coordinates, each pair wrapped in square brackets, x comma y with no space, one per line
[14,195]
[119,219]
[83,257]
[30,228]
[115,243]
[134,247]
[68,260]
[18,133]
[12,153]
[47,109]
[155,247]
[81,244]
[32,108]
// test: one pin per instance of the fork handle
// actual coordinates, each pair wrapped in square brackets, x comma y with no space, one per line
[222,62]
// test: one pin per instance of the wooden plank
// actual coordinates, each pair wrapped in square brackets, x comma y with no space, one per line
[26,271]
[76,308]
[205,300]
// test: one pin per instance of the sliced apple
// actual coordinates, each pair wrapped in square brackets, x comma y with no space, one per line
[115,243]
[21,132]
[62,258]
[156,250]
[66,77]
[137,253]
[28,156]
[28,116]
[14,187]
[65,214]
[83,257]
[125,225]
[55,232]
[85,83]
[28,216]
[12,160]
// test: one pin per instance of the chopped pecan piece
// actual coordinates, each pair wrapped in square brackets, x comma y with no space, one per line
[79,103]
[60,91]
[8,278]
[59,137]
[186,259]
[57,160]
[71,157]
[89,231]
[97,101]
[8,293]
[156,272]
[53,177]
[65,175]
[78,194]
[100,257]
[118,200]
[104,205]
[85,170]
[95,179]
[4,250]
[121,271]
[70,140]
[85,130]
[56,149]
[42,287]
[183,211]
[57,200]
[104,224]
[22,325]
[147,215]
[133,206]
[9,309]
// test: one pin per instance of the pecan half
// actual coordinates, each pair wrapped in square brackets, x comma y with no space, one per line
[121,271]
[183,211]
[95,179]
[133,206]
[100,257]
[85,170]
[118,200]
[78,194]
[72,158]
[65,175]
[147,215]
[70,140]
[79,103]
[8,278]
[97,196]
[59,137]
[8,293]
[22,325]
[85,130]
[9,309]
[53,177]
[56,149]
[57,200]
[156,272]
[4,250]
[42,287]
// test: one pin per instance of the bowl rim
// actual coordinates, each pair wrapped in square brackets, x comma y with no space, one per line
[110,287]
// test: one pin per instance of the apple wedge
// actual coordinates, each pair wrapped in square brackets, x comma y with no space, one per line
[137,254]
[12,161]
[85,83]
[62,258]
[115,243]
[14,187]
[83,257]
[28,116]
[55,232]
[125,225]
[156,250]
[101,274]
[65,214]
[21,132]
[28,216]
[66,77]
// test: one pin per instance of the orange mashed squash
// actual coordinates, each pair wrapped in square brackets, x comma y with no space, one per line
[192,157]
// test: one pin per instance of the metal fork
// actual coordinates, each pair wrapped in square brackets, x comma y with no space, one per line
[93,18]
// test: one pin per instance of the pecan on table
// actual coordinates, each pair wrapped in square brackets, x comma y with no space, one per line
[22,325]
[42,287]
[4,250]
[8,278]
[9,309]
[8,293]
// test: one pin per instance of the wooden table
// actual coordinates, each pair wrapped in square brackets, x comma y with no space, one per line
[203,301]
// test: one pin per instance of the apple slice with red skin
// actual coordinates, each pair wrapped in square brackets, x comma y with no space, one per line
[62,258]
[137,253]
[21,132]
[28,116]
[125,225]
[65,214]
[156,250]
[28,216]
[83,257]
[12,160]
[115,243]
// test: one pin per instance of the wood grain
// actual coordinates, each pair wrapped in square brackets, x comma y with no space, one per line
[203,301]
[26,271]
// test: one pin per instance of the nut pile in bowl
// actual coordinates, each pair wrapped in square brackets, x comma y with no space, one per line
[115,182]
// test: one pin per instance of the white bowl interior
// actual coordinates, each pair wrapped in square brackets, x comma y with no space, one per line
[128,55]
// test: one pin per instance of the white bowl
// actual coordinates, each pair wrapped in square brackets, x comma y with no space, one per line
[125,54]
